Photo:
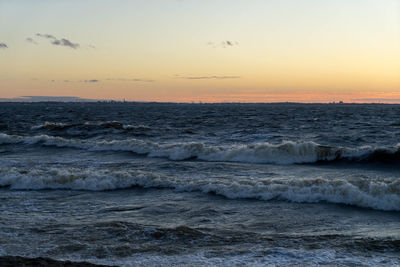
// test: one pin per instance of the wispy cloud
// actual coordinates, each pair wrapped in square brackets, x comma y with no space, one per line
[214,77]
[130,80]
[65,42]
[59,42]
[76,81]
[89,81]
[47,99]
[223,44]
[48,36]
[376,100]
[31,40]
[228,43]
[3,45]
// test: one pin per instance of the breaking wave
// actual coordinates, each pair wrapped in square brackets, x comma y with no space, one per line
[381,194]
[285,153]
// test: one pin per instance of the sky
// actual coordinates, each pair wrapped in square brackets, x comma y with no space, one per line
[202,50]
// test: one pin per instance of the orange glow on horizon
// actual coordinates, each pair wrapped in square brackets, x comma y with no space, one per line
[253,51]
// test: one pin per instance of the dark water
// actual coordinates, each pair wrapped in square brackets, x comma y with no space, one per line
[197,185]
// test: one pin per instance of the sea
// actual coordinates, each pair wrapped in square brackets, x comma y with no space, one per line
[169,184]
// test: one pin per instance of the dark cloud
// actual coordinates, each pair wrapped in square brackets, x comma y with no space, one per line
[207,77]
[130,80]
[31,40]
[59,42]
[3,45]
[65,42]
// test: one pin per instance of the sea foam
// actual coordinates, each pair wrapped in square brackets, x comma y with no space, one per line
[288,152]
[381,194]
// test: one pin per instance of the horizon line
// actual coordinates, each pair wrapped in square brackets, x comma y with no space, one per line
[76,99]
[110,101]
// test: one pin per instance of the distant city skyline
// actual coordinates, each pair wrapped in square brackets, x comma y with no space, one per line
[208,51]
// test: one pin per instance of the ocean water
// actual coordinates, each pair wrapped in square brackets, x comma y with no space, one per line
[150,184]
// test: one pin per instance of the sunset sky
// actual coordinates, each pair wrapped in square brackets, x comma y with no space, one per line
[202,50]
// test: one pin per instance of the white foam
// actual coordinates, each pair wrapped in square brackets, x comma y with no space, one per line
[259,257]
[10,139]
[49,125]
[376,194]
[285,153]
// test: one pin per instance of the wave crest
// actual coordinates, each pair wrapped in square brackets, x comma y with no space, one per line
[285,153]
[381,194]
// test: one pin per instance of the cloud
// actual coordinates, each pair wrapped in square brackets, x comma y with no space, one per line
[130,80]
[229,43]
[59,42]
[77,81]
[65,42]
[223,44]
[3,45]
[30,40]
[48,36]
[89,81]
[376,99]
[47,99]
[207,77]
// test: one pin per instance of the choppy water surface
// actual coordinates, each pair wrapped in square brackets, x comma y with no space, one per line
[188,184]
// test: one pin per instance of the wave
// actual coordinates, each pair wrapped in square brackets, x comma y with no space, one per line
[380,194]
[53,125]
[89,125]
[285,153]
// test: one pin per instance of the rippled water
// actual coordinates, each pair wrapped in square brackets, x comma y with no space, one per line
[212,184]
